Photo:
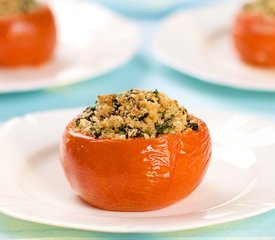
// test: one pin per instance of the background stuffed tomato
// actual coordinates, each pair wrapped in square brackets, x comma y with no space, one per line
[135,174]
[254,38]
[27,38]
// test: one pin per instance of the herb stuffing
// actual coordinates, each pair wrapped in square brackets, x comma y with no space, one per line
[9,7]
[134,114]
[261,7]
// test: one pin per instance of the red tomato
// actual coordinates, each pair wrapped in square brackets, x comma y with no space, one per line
[27,38]
[135,174]
[254,38]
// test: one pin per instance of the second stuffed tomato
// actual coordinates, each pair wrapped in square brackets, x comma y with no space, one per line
[141,172]
[27,33]
[254,33]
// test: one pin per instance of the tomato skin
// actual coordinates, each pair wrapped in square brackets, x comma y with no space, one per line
[254,38]
[135,174]
[27,39]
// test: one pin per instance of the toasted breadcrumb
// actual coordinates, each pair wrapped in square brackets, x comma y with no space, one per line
[261,7]
[10,7]
[134,114]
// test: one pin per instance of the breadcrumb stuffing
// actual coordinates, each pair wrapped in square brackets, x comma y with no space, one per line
[9,7]
[261,7]
[134,114]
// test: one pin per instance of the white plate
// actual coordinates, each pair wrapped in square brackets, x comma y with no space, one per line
[149,8]
[198,42]
[239,183]
[92,41]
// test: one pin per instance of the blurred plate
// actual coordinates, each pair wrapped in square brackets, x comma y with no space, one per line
[151,8]
[239,183]
[198,42]
[92,42]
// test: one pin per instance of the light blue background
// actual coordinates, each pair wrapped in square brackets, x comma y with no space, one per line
[144,72]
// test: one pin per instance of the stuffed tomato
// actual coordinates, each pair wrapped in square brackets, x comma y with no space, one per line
[136,151]
[27,33]
[254,33]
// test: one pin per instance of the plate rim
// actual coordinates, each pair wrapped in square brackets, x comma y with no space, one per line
[189,69]
[86,77]
[117,229]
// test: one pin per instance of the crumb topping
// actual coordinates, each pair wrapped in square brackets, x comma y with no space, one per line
[10,7]
[261,7]
[134,114]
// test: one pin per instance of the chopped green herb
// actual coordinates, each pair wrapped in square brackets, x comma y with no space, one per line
[145,115]
[90,109]
[122,129]
[116,104]
[148,132]
[162,127]
[77,122]
[98,134]
[166,125]
[193,125]
[138,134]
